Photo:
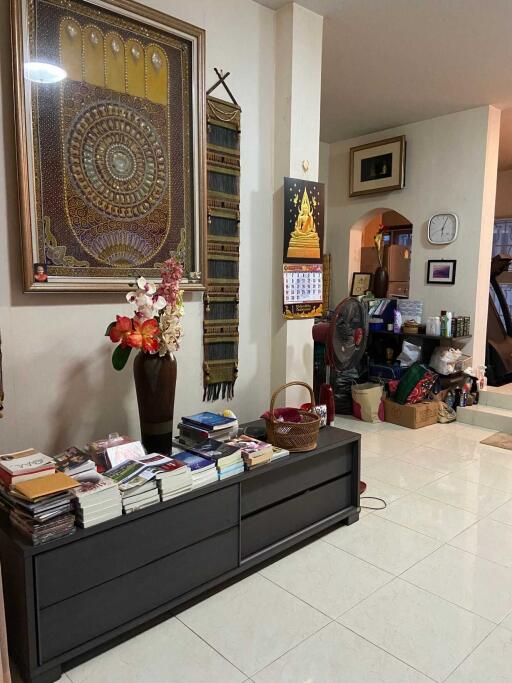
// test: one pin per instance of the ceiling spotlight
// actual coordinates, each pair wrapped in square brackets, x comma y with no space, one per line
[41,72]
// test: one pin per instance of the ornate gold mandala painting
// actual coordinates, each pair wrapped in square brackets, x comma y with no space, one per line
[112,151]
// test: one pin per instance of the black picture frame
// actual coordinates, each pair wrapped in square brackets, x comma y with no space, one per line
[369,285]
[439,278]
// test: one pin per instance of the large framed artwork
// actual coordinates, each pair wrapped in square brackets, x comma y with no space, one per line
[377,167]
[111,143]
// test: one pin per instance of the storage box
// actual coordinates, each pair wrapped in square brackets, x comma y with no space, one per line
[411,415]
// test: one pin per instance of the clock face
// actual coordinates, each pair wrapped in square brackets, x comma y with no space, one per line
[443,228]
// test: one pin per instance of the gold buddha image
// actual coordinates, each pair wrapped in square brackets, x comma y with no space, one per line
[304,241]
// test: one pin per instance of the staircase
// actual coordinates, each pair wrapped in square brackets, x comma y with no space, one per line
[494,411]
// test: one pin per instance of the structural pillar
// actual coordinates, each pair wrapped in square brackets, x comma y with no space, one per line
[297,139]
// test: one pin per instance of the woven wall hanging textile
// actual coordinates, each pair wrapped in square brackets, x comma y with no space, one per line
[220,337]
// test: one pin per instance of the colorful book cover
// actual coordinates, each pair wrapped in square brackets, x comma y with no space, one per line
[194,461]
[216,450]
[250,446]
[88,488]
[133,450]
[71,459]
[211,421]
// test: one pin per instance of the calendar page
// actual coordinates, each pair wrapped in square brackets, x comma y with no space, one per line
[302,290]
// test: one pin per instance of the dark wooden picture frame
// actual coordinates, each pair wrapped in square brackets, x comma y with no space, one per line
[377,167]
[369,277]
[141,33]
[449,279]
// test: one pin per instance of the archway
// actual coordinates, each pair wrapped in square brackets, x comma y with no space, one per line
[398,234]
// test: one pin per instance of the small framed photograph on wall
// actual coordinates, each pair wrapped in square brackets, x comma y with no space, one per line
[361,283]
[377,167]
[441,272]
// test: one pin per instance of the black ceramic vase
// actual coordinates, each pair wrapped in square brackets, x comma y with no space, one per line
[380,282]
[155,384]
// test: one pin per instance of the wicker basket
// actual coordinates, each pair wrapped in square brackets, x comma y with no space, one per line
[296,437]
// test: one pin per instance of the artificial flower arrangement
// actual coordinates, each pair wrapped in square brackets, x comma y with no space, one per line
[156,324]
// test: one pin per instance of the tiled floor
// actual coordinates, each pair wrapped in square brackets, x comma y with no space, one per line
[418,592]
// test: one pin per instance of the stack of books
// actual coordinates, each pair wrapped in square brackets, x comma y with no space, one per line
[173,479]
[76,463]
[23,466]
[97,501]
[137,484]
[201,426]
[42,509]
[228,459]
[203,470]
[140,497]
[254,452]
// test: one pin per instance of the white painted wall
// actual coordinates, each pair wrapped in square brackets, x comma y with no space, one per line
[451,166]
[60,387]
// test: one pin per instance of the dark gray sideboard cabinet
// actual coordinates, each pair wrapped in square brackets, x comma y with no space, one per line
[66,598]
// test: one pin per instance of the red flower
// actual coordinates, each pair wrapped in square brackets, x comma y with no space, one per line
[144,335]
[121,330]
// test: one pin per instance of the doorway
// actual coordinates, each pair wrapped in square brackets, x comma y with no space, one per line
[396,232]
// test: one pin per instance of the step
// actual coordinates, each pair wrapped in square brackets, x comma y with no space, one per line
[498,399]
[489,417]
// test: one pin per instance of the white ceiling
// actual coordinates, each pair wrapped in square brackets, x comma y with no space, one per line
[390,62]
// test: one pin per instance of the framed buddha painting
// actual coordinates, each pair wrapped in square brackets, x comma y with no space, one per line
[110,127]
[303,248]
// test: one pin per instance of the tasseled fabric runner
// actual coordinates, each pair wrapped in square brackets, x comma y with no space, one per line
[220,339]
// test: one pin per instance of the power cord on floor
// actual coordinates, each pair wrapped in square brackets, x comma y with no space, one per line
[367,507]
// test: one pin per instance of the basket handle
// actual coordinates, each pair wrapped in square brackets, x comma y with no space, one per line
[285,386]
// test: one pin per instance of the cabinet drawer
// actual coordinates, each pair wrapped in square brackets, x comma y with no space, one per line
[274,485]
[83,617]
[82,564]
[280,521]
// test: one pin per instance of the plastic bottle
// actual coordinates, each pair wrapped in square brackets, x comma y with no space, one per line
[442,318]
[437,322]
[448,328]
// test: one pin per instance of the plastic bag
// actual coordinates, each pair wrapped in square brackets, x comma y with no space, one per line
[410,354]
[443,360]
[445,413]
[368,404]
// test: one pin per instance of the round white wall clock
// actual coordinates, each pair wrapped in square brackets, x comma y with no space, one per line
[442,228]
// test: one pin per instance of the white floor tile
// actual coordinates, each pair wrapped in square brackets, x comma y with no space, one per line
[380,489]
[253,622]
[456,442]
[503,513]
[478,585]
[435,459]
[497,456]
[150,656]
[489,539]
[402,474]
[382,543]
[429,517]
[336,655]
[421,629]
[326,577]
[476,498]
[507,622]
[488,474]
[489,663]
[383,443]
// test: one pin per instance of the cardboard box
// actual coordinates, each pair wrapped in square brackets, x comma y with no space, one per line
[413,416]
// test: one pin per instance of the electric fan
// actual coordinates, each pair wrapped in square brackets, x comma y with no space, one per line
[345,335]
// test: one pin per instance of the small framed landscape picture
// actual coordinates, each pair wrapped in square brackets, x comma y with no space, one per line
[377,167]
[361,283]
[441,272]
